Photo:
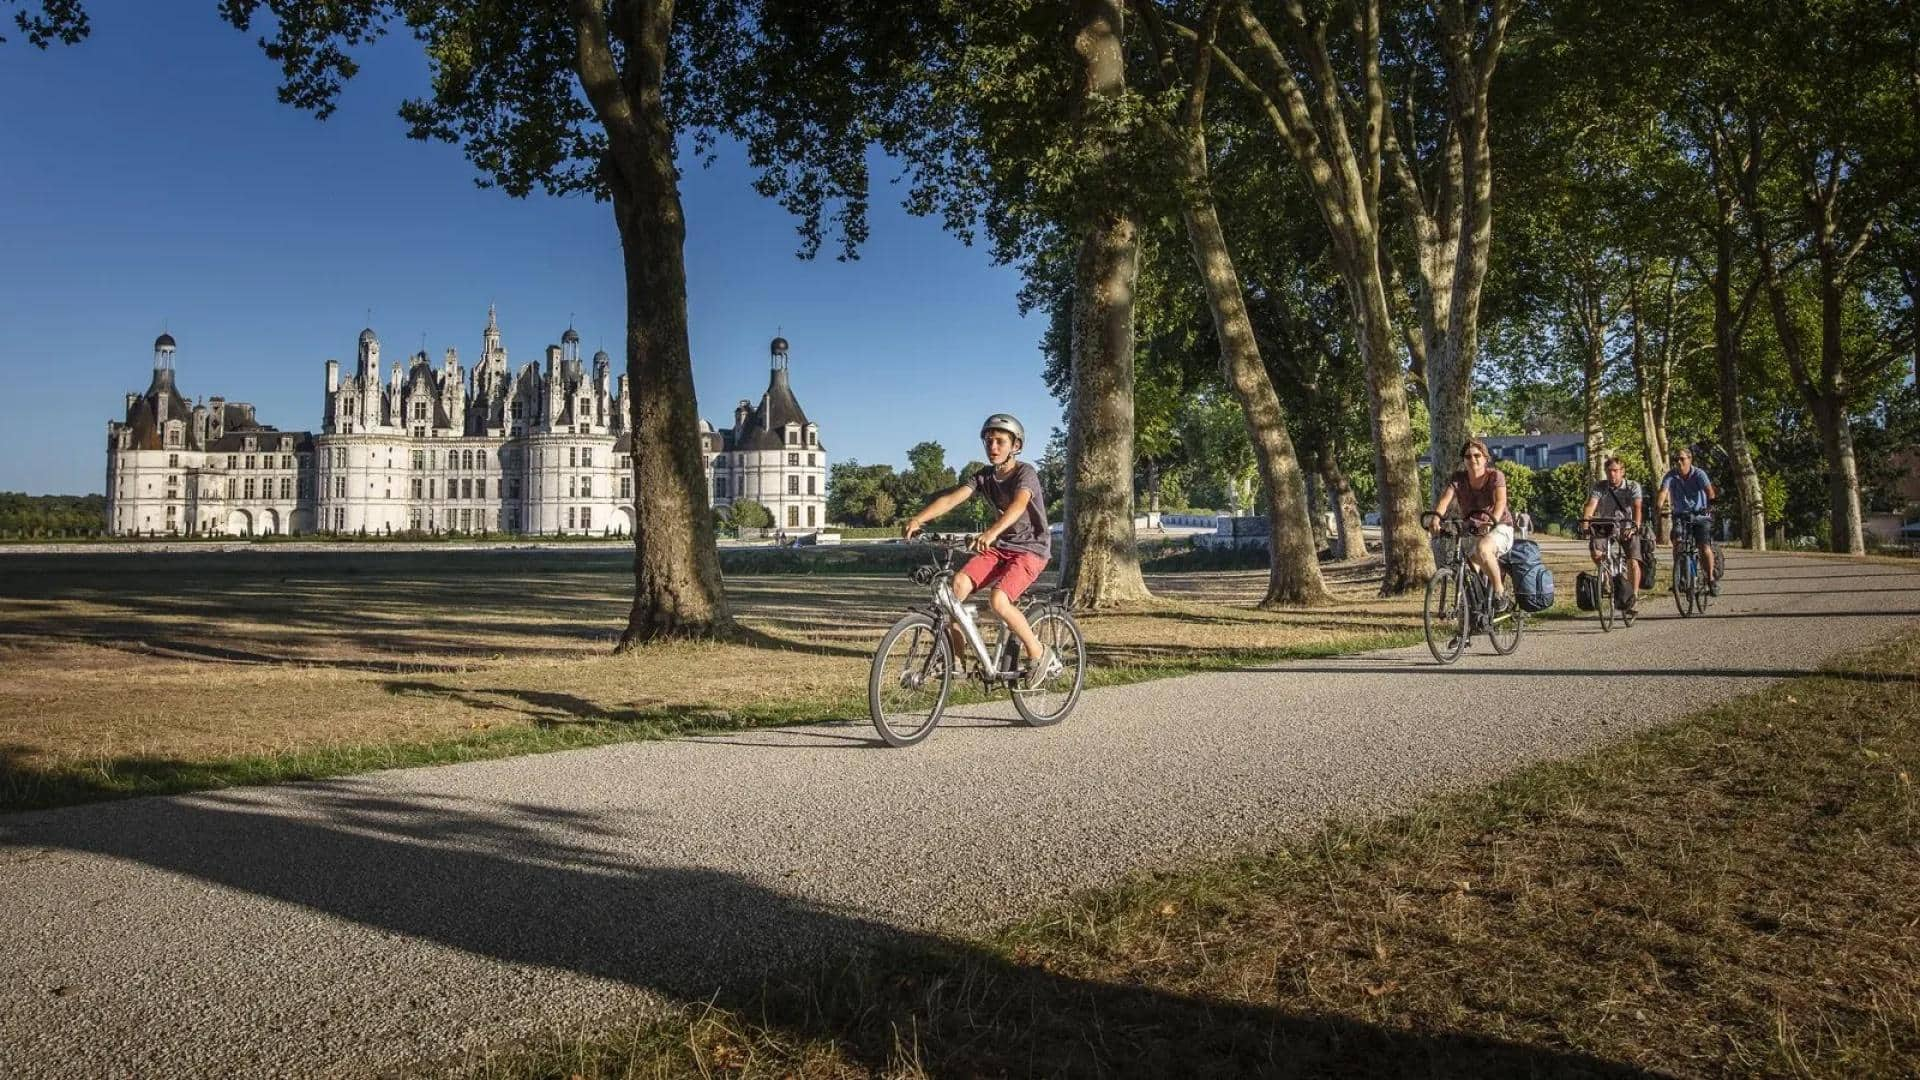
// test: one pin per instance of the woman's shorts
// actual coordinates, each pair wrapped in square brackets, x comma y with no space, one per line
[1502,536]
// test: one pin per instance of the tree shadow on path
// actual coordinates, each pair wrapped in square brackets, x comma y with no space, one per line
[541,887]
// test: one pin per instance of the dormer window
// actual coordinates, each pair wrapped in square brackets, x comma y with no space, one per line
[813,438]
[793,437]
[419,410]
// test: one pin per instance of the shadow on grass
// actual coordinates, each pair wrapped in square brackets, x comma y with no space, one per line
[541,890]
[1405,666]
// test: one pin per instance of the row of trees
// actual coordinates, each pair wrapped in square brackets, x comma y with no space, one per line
[1275,211]
[51,515]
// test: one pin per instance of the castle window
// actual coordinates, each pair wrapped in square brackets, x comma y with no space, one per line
[793,460]
[569,517]
[810,456]
[173,461]
[626,487]
[286,461]
[419,410]
[250,462]
[480,488]
[719,487]
[480,456]
[419,460]
[586,456]
[813,485]
[466,459]
[586,517]
[416,493]
[414,518]
[586,487]
[339,487]
[419,433]
[793,485]
[233,488]
[466,489]
[516,416]
[432,491]
[286,487]
[810,520]
[173,435]
[813,438]
[233,461]
[793,517]
[793,437]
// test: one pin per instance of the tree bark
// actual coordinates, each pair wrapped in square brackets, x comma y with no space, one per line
[1293,576]
[1348,541]
[1592,335]
[676,567]
[1726,354]
[1101,564]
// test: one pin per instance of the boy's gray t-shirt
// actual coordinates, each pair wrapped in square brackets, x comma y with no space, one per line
[1029,531]
[1612,502]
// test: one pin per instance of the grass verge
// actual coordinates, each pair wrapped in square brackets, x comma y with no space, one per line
[68,782]
[1731,894]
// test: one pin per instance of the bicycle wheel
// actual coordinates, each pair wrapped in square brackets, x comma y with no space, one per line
[1444,617]
[1683,585]
[1505,627]
[912,675]
[1055,698]
[1603,600]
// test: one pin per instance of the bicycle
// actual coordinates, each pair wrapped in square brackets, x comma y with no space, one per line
[915,663]
[1446,613]
[1690,588]
[1613,570]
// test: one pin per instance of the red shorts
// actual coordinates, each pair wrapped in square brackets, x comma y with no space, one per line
[1004,569]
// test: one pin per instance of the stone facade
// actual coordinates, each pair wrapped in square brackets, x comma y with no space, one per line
[431,449]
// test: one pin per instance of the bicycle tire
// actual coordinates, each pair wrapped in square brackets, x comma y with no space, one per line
[1505,628]
[1682,586]
[926,650]
[1044,707]
[1443,614]
[1603,600]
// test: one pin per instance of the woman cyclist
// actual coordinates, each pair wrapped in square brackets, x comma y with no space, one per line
[1480,490]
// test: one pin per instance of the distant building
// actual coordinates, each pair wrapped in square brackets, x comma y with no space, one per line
[543,450]
[1535,451]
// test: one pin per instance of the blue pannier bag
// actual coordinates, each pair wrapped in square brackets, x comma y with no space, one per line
[1532,581]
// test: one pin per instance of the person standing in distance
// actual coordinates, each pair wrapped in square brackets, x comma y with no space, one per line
[1012,551]
[1691,491]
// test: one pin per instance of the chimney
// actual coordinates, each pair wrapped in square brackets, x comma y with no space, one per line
[333,376]
[740,413]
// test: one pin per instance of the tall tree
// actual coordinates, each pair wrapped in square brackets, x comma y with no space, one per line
[1101,564]
[1294,569]
[573,96]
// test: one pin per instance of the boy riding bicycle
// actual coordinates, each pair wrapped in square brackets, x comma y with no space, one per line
[1013,550]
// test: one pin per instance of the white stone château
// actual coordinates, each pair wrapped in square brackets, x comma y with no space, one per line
[544,450]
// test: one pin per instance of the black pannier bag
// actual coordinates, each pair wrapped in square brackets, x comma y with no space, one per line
[1586,591]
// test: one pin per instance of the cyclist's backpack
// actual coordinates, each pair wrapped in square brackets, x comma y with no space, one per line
[1532,581]
[1648,567]
[1586,591]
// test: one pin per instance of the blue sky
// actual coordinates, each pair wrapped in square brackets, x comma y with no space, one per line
[150,180]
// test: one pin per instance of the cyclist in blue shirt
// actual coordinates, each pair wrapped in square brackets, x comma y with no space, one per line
[1690,491]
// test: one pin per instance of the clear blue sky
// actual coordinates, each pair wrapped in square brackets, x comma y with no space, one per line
[149,179]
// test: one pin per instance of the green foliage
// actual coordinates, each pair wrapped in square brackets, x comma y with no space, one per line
[1559,493]
[33,516]
[64,21]
[860,494]
[748,514]
[1520,485]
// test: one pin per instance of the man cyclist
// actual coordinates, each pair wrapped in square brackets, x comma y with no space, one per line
[1618,503]
[1013,550]
[1690,491]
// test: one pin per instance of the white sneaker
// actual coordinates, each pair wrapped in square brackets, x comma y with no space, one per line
[1044,667]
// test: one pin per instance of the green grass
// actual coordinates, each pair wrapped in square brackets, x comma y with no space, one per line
[1729,894]
[70,783]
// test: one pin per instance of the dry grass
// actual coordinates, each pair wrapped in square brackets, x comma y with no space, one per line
[1732,895]
[118,665]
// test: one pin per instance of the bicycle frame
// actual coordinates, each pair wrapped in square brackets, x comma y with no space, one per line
[950,610]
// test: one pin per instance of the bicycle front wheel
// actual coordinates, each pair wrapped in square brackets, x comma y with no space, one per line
[1603,600]
[1683,585]
[1055,698]
[1445,617]
[912,675]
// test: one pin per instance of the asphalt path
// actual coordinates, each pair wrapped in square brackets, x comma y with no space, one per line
[358,926]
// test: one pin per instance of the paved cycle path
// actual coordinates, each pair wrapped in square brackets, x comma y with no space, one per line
[353,926]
